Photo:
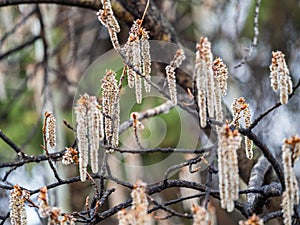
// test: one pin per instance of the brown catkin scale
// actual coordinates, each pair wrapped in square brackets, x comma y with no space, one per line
[253,220]
[280,76]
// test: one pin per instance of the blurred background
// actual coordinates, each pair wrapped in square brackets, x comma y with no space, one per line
[46,50]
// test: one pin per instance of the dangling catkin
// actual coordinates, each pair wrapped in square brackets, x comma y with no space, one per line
[17,206]
[290,153]
[89,132]
[110,107]
[206,58]
[107,18]
[280,76]
[82,134]
[220,80]
[229,141]
[200,215]
[170,72]
[146,59]
[242,110]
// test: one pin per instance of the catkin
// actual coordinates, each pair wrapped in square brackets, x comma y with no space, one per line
[107,18]
[146,59]
[17,206]
[206,57]
[204,76]
[170,72]
[280,76]
[138,212]
[89,132]
[110,108]
[82,135]
[200,215]
[200,86]
[137,52]
[52,130]
[229,141]
[93,117]
[290,153]
[220,80]
[242,110]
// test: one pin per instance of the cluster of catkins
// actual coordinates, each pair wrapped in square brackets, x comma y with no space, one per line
[17,200]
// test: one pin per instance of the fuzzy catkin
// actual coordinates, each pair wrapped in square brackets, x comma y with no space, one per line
[205,83]
[137,63]
[290,195]
[138,213]
[146,59]
[107,18]
[89,131]
[110,108]
[170,72]
[200,215]
[242,110]
[206,57]
[17,207]
[82,132]
[229,141]
[220,80]
[93,117]
[280,76]
[51,130]
[200,78]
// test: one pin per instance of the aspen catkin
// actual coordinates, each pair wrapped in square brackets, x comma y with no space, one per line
[170,72]
[280,76]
